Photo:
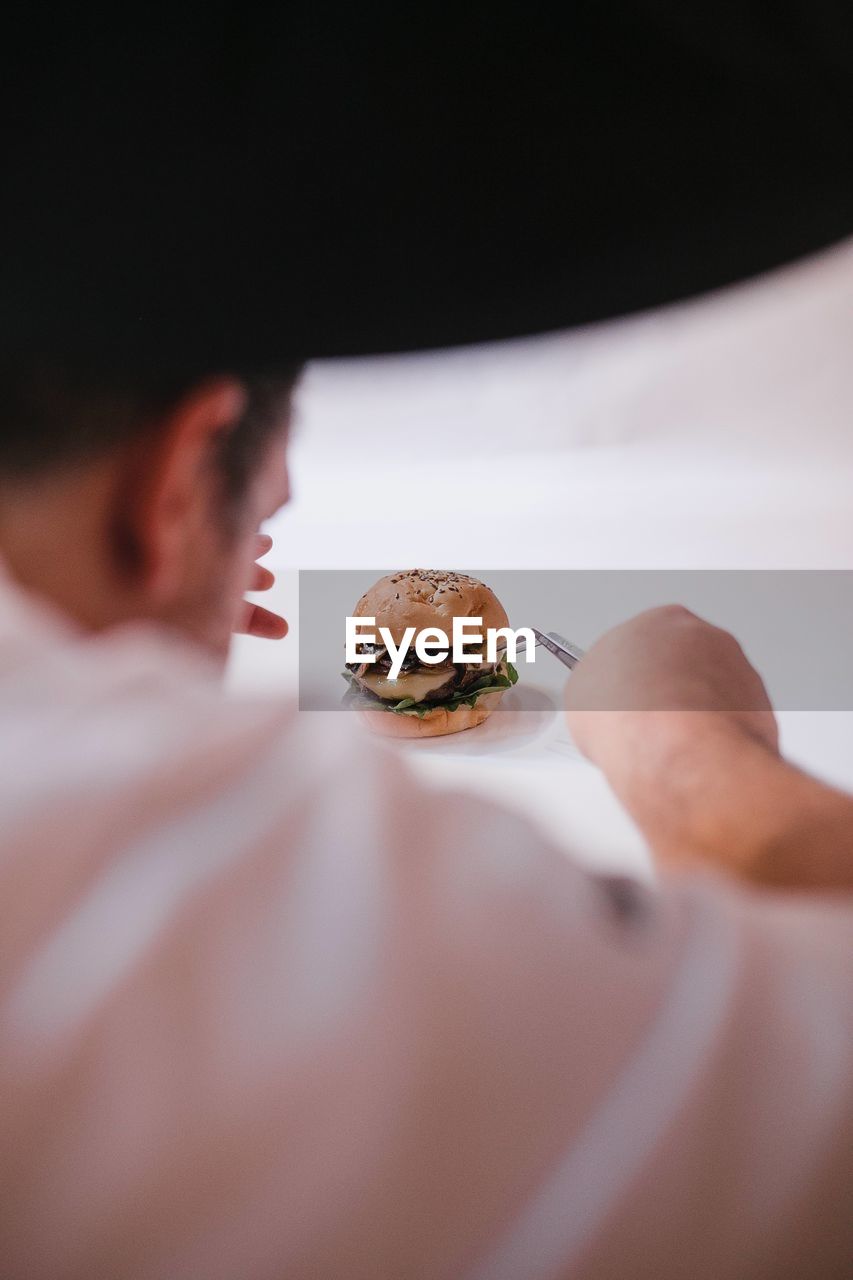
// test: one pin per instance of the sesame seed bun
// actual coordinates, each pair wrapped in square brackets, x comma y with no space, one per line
[422,598]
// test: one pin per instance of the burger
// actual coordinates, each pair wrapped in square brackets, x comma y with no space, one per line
[427,701]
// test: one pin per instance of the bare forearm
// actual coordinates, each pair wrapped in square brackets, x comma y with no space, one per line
[730,801]
[671,710]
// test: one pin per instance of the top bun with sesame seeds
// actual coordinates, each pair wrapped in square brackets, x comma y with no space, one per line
[423,598]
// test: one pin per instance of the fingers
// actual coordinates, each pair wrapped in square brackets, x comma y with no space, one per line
[261,580]
[254,620]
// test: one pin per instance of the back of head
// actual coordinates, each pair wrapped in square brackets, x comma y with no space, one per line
[57,414]
[137,495]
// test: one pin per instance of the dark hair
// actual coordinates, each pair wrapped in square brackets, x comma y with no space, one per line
[54,416]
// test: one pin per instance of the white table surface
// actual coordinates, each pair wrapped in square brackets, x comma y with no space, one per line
[714,435]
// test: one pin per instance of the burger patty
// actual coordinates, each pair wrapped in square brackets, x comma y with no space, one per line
[464,673]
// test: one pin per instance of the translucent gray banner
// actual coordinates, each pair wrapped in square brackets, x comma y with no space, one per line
[796,627]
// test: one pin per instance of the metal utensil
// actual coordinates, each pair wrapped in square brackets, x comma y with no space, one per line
[566,652]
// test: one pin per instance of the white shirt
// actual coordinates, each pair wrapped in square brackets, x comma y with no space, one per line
[268,1009]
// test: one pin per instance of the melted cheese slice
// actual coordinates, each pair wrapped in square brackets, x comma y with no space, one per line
[409,684]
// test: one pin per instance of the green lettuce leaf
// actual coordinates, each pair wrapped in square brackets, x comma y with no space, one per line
[492,682]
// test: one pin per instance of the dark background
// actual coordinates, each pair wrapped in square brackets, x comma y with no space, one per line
[245,182]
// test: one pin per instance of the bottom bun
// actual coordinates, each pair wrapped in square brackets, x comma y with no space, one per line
[435,724]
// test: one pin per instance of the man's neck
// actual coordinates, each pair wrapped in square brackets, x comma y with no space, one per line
[54,542]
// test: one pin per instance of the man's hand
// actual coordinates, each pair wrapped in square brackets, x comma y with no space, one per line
[680,723]
[253,620]
[686,677]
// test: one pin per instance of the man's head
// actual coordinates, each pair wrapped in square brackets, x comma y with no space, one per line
[137,495]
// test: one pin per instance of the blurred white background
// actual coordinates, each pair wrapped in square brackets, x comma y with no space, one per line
[714,434]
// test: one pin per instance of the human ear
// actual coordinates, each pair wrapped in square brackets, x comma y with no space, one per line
[168,491]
